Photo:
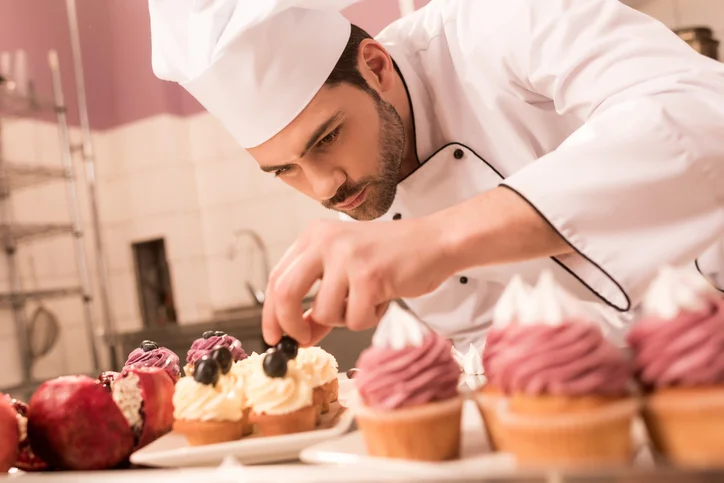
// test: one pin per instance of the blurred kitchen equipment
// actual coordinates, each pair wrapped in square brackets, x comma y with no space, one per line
[700,39]
[257,295]
[43,328]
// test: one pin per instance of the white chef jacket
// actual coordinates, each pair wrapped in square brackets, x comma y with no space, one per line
[600,117]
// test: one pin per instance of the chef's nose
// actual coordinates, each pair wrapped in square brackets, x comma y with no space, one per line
[325,182]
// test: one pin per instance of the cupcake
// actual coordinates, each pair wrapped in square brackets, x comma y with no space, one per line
[321,368]
[567,389]
[243,369]
[207,408]
[678,348]
[209,341]
[149,354]
[280,396]
[409,403]
[505,313]
[231,380]
[471,368]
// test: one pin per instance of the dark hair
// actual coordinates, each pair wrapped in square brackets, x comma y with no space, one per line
[346,69]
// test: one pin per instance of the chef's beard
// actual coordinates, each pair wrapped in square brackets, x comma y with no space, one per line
[381,189]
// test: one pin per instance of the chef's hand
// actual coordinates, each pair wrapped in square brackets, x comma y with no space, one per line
[362,266]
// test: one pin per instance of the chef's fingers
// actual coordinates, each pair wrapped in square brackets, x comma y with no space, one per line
[289,290]
[270,329]
[318,332]
[361,309]
[331,299]
[281,266]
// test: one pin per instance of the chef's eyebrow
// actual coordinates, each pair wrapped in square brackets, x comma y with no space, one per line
[319,133]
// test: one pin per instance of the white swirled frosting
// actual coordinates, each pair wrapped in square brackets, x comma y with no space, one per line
[278,395]
[675,290]
[546,303]
[471,362]
[399,329]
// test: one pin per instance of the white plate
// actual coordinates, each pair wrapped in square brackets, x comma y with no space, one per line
[476,458]
[172,450]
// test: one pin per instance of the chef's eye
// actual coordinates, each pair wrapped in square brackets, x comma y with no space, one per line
[330,138]
[282,171]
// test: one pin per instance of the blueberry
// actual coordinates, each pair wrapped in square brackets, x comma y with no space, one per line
[148,345]
[219,333]
[207,334]
[288,346]
[275,363]
[206,371]
[223,357]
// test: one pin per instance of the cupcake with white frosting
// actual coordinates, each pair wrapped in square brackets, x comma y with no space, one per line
[678,347]
[280,396]
[209,407]
[321,368]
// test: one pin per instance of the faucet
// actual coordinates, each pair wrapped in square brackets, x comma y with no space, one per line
[257,295]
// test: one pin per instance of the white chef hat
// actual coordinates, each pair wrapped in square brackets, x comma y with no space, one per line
[253,64]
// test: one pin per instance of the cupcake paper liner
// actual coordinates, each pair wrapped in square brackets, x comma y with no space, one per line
[319,401]
[486,399]
[430,432]
[587,436]
[687,425]
[199,433]
[295,422]
[331,388]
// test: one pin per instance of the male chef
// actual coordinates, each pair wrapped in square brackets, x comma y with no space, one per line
[486,138]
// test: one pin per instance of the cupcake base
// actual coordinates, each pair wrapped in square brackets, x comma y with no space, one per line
[319,401]
[686,425]
[547,431]
[295,422]
[199,433]
[331,389]
[486,399]
[425,433]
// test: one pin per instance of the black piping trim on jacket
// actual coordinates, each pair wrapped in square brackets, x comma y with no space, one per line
[696,264]
[563,266]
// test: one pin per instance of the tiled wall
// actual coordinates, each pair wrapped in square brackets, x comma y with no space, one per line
[183,179]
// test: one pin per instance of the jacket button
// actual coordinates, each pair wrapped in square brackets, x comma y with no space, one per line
[396,216]
[458,154]
[463,280]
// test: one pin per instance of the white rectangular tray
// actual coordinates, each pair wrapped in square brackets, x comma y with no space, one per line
[172,450]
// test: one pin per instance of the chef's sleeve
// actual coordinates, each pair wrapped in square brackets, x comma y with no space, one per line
[641,183]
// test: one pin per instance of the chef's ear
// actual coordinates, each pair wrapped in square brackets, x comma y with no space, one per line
[376,65]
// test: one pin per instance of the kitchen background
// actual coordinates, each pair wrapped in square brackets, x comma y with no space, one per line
[186,218]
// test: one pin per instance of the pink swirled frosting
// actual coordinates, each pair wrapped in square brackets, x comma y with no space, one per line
[161,357]
[687,350]
[202,347]
[570,359]
[413,375]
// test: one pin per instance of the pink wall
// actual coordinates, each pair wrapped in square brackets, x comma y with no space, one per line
[115,41]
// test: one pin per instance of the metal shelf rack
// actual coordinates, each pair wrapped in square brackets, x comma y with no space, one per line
[15,176]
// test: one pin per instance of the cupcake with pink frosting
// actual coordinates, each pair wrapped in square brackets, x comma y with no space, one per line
[678,347]
[566,389]
[209,341]
[410,407]
[151,354]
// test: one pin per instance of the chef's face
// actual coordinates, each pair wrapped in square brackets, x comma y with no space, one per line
[344,150]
